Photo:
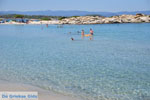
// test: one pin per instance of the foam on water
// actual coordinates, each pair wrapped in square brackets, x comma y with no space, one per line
[114,66]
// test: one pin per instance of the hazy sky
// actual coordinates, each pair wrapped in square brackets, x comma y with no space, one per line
[84,5]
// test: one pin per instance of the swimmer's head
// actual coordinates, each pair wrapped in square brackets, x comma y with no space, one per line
[72,38]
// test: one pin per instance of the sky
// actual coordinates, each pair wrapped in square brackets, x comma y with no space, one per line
[83,5]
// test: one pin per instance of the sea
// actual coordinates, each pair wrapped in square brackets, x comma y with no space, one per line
[114,65]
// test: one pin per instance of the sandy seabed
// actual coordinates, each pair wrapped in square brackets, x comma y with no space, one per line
[42,94]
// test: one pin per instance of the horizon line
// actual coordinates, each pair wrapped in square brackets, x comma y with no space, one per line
[74,10]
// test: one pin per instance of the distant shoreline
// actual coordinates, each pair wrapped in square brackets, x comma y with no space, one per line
[83,20]
[70,13]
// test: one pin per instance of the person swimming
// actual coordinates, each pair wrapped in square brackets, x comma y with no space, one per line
[46,25]
[82,34]
[72,38]
[92,33]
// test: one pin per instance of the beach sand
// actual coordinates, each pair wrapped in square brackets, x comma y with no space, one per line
[42,94]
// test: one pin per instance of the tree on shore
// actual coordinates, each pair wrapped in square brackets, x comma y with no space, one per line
[46,18]
[19,16]
[61,18]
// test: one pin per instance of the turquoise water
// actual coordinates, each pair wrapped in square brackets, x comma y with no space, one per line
[114,66]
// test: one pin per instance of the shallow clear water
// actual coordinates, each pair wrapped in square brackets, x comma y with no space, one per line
[114,66]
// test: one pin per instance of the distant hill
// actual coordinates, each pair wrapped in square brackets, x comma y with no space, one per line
[71,13]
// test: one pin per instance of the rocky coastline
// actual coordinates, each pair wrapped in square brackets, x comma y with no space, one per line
[138,18]
[79,20]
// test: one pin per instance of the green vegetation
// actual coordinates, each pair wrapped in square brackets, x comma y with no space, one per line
[60,18]
[19,16]
[75,16]
[45,18]
[40,17]
[94,15]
